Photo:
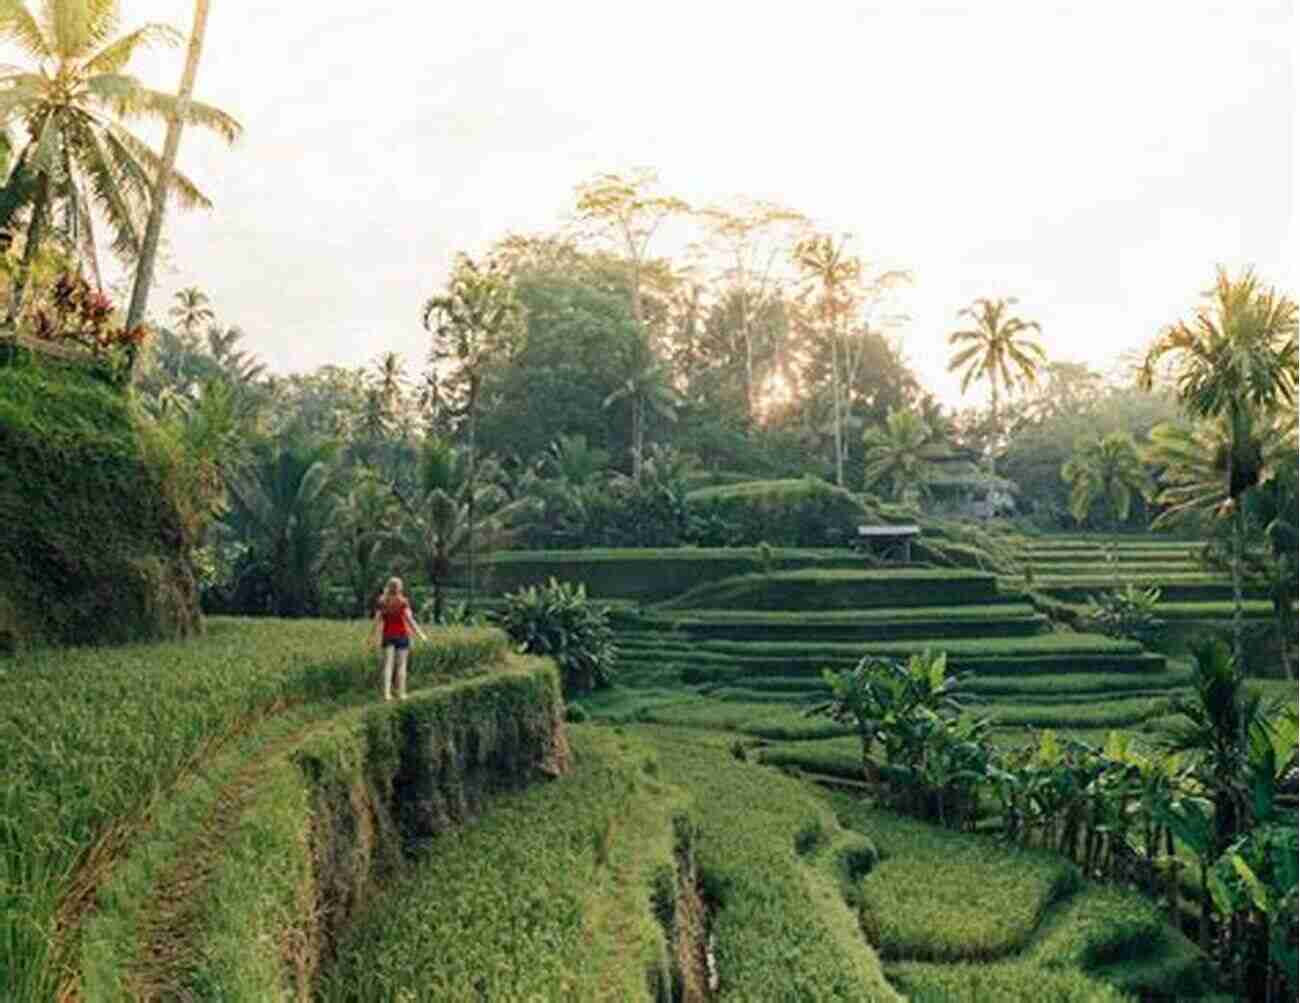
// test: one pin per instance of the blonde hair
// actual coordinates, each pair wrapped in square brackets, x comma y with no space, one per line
[391,598]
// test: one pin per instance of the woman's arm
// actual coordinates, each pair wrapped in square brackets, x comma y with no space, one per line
[410,622]
[378,633]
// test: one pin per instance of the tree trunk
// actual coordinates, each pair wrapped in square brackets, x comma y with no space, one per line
[35,233]
[1238,603]
[837,397]
[175,123]
[638,436]
[473,471]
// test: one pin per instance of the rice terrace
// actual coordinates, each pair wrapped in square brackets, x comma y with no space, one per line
[853,560]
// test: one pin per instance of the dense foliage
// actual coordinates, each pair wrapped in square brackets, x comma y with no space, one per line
[97,522]
[1114,810]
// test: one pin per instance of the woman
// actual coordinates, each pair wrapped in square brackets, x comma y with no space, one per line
[393,626]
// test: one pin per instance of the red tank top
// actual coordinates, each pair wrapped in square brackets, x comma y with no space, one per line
[394,614]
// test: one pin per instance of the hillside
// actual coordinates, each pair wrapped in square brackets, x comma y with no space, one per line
[91,539]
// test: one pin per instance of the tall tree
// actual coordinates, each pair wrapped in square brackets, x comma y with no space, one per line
[176,117]
[476,322]
[627,210]
[1235,360]
[997,348]
[76,104]
[649,394]
[837,280]
[1194,463]
[750,243]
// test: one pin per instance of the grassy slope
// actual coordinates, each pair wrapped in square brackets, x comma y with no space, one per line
[80,779]
[90,537]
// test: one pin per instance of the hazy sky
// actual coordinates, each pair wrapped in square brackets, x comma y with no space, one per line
[1094,159]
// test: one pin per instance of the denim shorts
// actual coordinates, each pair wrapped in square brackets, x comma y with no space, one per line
[400,643]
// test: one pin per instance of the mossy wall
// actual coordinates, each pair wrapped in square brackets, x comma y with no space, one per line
[90,539]
[383,782]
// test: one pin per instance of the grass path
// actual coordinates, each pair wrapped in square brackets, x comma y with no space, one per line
[166,949]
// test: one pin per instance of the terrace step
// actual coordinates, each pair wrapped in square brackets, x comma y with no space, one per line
[1092,555]
[1002,620]
[812,664]
[842,589]
[1079,590]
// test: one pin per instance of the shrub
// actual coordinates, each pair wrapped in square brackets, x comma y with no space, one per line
[558,620]
[575,713]
[1128,612]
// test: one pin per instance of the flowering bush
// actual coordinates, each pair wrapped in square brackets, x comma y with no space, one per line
[78,314]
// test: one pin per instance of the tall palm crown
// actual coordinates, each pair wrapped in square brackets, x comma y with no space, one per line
[1108,468]
[996,348]
[192,310]
[1235,360]
[73,108]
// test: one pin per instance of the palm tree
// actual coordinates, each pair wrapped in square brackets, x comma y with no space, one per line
[1108,469]
[75,104]
[1236,360]
[476,322]
[239,366]
[997,348]
[449,521]
[192,310]
[647,389]
[176,117]
[285,501]
[898,455]
[1195,463]
[573,461]
[362,532]
[835,277]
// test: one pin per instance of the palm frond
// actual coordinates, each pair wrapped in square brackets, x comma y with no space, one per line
[115,56]
[18,26]
[112,200]
[181,187]
[147,103]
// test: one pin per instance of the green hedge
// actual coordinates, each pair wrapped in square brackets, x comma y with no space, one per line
[90,540]
[818,589]
[118,726]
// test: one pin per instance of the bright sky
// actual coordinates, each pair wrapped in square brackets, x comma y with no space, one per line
[1095,159]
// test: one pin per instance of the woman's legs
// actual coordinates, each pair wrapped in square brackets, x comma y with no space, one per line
[386,671]
[402,655]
